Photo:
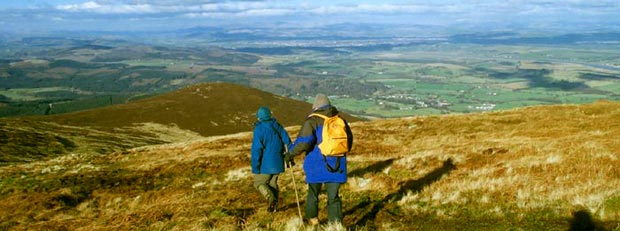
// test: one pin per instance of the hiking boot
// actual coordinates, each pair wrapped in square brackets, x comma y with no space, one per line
[270,196]
[272,206]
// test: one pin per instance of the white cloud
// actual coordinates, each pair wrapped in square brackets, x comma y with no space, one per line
[79,7]
[266,12]
[204,7]
[262,8]
[391,8]
[94,7]
[436,12]
[239,8]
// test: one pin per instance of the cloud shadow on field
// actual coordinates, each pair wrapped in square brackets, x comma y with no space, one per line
[373,168]
[414,185]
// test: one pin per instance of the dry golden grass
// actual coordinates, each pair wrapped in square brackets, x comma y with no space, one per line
[523,169]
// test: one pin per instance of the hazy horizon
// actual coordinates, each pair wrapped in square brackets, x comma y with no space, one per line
[39,16]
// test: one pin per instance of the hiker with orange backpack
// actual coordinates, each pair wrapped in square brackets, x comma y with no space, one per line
[326,138]
[269,143]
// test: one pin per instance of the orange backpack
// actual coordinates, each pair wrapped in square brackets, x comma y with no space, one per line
[335,139]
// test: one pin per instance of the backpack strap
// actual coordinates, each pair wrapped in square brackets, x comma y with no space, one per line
[335,168]
[318,115]
[281,139]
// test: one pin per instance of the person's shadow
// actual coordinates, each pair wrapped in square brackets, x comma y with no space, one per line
[373,168]
[410,185]
[582,221]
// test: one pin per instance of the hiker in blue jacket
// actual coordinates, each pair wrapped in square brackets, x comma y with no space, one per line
[268,147]
[318,168]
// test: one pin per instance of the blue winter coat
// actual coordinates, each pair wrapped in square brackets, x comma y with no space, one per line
[268,146]
[308,141]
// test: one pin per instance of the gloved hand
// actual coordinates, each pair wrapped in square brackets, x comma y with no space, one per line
[289,160]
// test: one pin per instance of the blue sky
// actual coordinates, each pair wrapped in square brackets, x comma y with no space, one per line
[50,15]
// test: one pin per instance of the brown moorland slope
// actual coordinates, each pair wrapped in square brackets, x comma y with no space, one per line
[24,140]
[208,109]
[536,168]
[200,110]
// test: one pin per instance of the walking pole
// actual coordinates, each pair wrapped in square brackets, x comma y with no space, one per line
[296,194]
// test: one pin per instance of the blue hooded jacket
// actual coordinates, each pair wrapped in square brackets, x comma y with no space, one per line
[268,146]
[308,141]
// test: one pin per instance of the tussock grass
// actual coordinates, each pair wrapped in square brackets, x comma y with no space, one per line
[537,168]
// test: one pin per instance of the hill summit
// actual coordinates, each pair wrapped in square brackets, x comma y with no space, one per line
[201,110]
[208,109]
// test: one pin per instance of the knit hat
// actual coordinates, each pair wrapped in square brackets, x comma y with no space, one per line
[320,100]
[263,113]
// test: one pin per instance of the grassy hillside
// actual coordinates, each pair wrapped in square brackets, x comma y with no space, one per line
[196,111]
[27,140]
[536,168]
[208,109]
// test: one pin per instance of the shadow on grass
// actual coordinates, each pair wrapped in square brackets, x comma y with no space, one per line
[582,221]
[411,185]
[373,168]
[302,204]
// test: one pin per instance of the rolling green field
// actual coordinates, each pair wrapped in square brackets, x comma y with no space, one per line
[451,78]
[435,78]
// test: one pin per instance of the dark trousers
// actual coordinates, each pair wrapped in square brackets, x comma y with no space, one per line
[334,205]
